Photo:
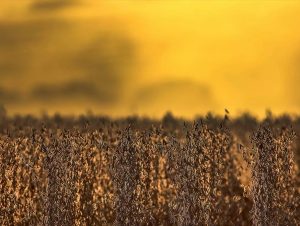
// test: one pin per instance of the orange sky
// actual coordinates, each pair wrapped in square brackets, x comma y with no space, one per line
[148,57]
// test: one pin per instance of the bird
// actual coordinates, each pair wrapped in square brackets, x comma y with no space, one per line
[227,112]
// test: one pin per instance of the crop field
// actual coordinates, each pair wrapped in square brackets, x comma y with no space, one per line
[136,171]
[112,113]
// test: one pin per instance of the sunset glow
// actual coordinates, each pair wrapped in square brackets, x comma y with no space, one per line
[149,57]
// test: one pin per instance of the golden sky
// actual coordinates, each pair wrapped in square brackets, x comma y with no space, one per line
[149,57]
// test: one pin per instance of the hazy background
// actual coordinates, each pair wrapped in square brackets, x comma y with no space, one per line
[149,57]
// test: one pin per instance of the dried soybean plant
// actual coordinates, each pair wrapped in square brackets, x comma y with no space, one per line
[125,173]
[273,177]
[148,178]
[60,164]
[21,180]
[153,193]
[198,168]
[136,178]
[94,183]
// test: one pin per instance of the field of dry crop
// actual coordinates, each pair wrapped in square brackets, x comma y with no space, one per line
[136,171]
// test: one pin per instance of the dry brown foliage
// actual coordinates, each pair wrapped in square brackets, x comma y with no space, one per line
[95,171]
